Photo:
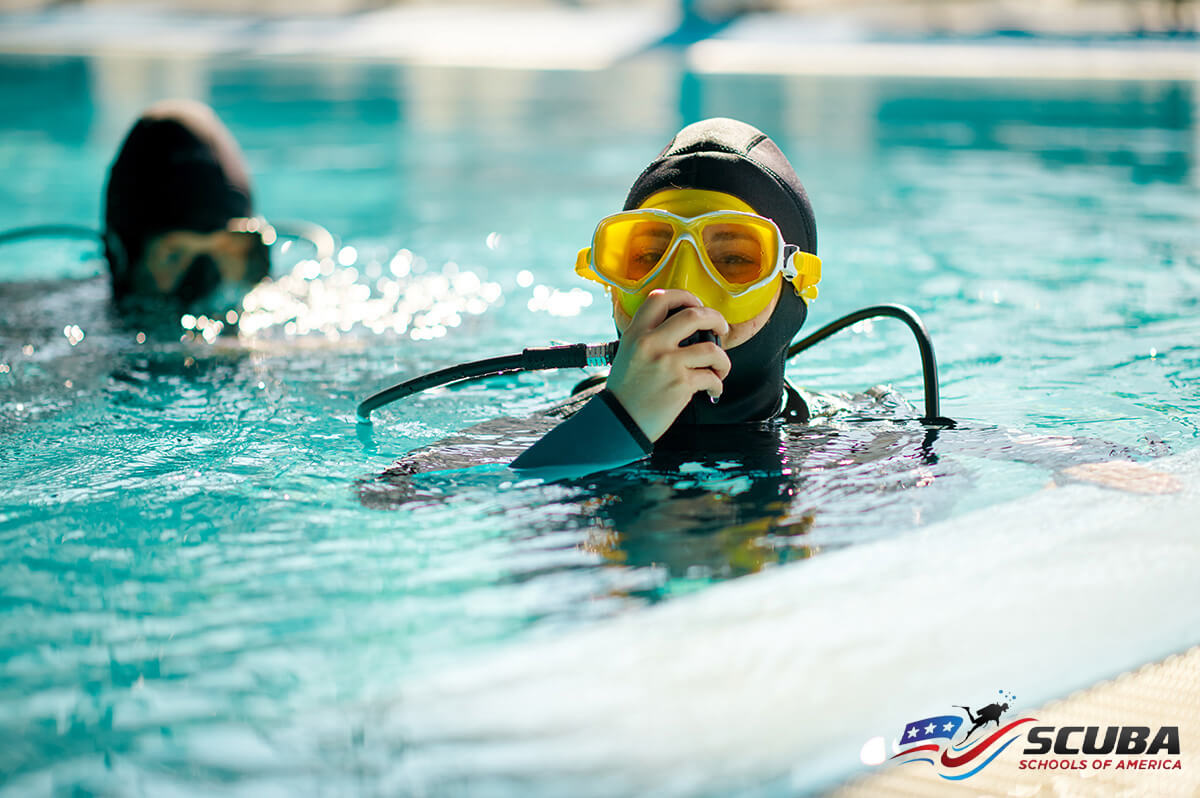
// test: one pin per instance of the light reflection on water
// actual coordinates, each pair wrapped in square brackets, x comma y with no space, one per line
[198,545]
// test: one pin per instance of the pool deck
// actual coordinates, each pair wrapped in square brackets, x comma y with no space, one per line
[857,39]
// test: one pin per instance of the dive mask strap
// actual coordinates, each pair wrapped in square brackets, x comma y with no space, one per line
[118,260]
[803,270]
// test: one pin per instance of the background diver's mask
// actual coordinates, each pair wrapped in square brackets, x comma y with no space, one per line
[206,273]
[729,259]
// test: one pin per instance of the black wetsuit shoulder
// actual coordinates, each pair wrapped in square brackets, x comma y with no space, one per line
[597,432]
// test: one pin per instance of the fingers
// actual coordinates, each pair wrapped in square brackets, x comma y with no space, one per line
[706,380]
[706,364]
[653,376]
[706,356]
[682,324]
[652,316]
[658,304]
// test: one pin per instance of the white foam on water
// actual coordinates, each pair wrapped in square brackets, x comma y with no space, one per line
[786,674]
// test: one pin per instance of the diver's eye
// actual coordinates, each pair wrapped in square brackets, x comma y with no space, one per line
[648,257]
[737,264]
[735,251]
[735,259]
[646,243]
[642,260]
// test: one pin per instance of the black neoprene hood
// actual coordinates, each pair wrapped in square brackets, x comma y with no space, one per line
[734,158]
[179,168]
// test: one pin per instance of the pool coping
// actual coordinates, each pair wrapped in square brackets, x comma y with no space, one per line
[547,38]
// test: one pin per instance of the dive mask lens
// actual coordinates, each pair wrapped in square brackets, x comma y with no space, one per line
[629,250]
[250,239]
[218,280]
[741,251]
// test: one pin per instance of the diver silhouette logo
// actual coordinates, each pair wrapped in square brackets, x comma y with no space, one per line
[931,739]
[989,714]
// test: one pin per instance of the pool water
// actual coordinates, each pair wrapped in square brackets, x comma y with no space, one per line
[199,550]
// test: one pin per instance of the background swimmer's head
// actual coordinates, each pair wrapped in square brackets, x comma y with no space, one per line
[176,185]
[725,157]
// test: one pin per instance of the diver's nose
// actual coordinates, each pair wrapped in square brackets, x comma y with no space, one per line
[685,271]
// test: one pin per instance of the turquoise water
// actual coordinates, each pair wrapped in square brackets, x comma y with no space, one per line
[198,555]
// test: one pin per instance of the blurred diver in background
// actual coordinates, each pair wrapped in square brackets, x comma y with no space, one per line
[179,231]
[179,214]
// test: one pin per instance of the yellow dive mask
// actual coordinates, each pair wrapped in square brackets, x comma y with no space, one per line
[731,258]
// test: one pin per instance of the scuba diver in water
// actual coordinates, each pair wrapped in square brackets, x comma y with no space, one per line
[179,228]
[710,267]
[179,219]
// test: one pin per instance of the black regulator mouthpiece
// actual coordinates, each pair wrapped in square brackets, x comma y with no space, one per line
[201,279]
[699,336]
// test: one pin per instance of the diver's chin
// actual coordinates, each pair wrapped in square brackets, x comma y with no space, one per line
[160,315]
[217,303]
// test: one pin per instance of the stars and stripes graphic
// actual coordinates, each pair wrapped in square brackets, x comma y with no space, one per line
[929,728]
[930,740]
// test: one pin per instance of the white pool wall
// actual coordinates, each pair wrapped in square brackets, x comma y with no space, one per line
[787,673]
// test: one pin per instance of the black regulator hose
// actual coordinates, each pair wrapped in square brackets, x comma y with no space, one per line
[539,359]
[49,231]
[924,344]
[581,355]
[321,239]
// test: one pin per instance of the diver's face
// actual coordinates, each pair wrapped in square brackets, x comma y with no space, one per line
[193,267]
[167,257]
[691,204]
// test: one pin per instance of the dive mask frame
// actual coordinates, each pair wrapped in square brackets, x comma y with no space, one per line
[737,302]
[258,263]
